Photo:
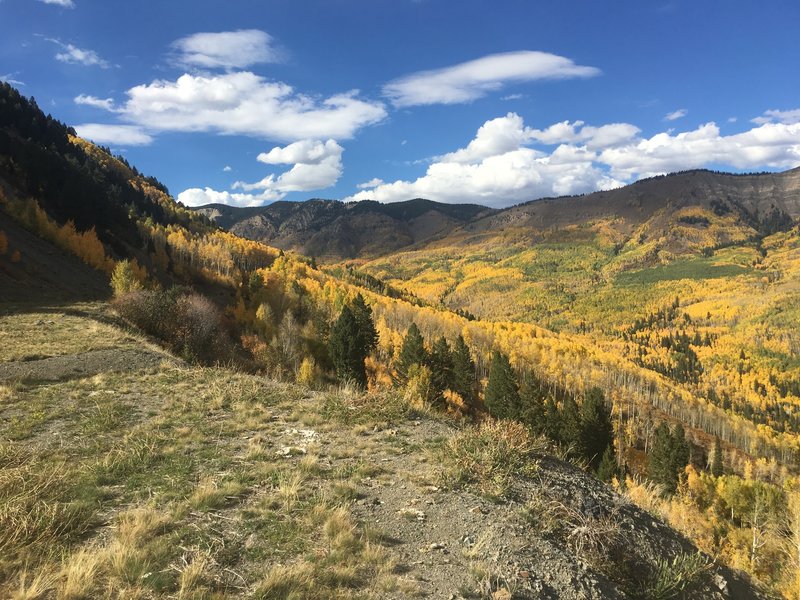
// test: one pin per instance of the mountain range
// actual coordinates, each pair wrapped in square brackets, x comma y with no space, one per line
[754,204]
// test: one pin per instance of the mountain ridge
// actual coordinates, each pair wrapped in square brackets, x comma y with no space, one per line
[762,202]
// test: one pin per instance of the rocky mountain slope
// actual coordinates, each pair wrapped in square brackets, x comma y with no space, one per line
[750,205]
[334,230]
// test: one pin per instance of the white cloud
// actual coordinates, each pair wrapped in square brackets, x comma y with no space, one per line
[64,3]
[79,56]
[243,103]
[227,169]
[513,97]
[227,49]
[676,114]
[372,183]
[86,100]
[471,80]
[316,165]
[773,145]
[123,135]
[787,117]
[9,78]
[498,168]
[199,197]
[733,119]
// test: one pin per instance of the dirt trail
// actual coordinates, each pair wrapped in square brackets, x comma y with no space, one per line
[85,364]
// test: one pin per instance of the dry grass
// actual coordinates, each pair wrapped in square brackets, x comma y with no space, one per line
[210,494]
[80,575]
[344,562]
[490,456]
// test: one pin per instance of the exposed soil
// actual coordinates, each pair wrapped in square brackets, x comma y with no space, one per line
[85,364]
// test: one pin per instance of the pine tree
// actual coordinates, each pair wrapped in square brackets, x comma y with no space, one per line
[366,325]
[347,349]
[463,371]
[552,421]
[716,459]
[412,353]
[669,456]
[441,363]
[596,430]
[608,468]
[502,392]
[680,455]
[660,467]
[533,409]
[569,432]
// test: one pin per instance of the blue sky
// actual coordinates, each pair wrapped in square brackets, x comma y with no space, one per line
[494,102]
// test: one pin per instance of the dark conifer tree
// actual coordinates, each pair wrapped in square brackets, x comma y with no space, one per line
[680,451]
[502,392]
[569,432]
[366,325]
[464,382]
[534,413]
[347,349]
[597,431]
[441,363]
[659,468]
[608,468]
[412,353]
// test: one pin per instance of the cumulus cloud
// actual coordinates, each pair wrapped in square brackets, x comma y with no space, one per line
[476,78]
[499,167]
[243,103]
[200,197]
[227,169]
[71,54]
[676,114]
[103,103]
[316,165]
[64,3]
[787,117]
[121,135]
[227,49]
[372,183]
[774,145]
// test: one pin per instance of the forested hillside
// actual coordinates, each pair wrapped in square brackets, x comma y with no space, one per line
[628,357]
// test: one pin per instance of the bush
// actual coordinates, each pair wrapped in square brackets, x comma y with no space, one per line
[188,323]
[491,456]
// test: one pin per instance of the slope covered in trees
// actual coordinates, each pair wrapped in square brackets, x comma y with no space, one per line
[281,315]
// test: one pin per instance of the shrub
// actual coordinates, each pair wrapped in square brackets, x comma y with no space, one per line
[188,323]
[491,456]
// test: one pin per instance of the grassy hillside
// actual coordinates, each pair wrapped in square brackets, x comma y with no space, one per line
[154,478]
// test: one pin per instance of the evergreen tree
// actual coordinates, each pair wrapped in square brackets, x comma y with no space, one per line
[502,392]
[552,422]
[463,371]
[412,353]
[596,430]
[716,459]
[680,455]
[533,408]
[569,432]
[669,456]
[441,363]
[660,466]
[608,468]
[347,348]
[366,325]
